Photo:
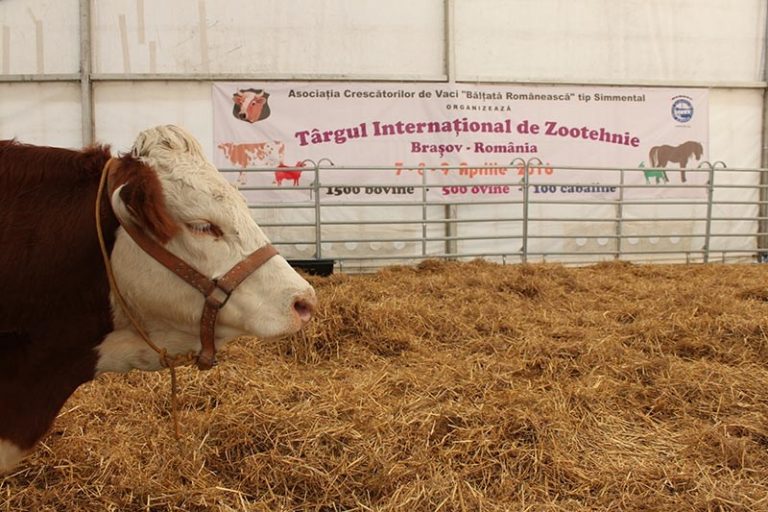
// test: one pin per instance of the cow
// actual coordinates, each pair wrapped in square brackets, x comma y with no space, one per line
[293,174]
[254,154]
[60,322]
[250,105]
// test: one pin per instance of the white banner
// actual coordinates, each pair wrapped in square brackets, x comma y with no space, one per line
[464,142]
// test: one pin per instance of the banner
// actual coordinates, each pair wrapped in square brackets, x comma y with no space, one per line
[459,142]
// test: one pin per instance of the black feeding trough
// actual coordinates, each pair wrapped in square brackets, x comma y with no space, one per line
[321,267]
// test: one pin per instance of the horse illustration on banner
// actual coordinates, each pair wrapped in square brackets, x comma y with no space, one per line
[660,156]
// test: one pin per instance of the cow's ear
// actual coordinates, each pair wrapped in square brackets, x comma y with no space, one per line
[138,197]
[237,98]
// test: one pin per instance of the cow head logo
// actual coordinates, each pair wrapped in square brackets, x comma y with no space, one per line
[250,105]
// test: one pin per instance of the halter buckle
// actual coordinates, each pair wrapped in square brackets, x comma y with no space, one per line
[214,296]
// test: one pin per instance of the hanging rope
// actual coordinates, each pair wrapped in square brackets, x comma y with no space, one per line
[165,360]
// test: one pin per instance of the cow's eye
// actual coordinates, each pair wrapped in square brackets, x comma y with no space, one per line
[204,228]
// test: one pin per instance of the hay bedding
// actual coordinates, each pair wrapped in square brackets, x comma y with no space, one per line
[447,387]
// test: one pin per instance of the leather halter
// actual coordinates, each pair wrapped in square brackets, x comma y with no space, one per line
[216,291]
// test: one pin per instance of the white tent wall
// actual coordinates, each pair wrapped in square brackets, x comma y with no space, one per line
[41,113]
[153,62]
[123,109]
[272,38]
[39,37]
[619,41]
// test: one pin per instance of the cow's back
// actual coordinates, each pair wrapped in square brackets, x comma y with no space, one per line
[47,228]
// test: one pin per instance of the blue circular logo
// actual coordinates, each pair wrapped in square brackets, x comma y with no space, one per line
[682,110]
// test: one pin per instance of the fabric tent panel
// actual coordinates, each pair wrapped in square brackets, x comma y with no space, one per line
[349,37]
[605,40]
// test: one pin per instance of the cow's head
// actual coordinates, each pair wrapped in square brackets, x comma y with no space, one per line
[250,105]
[167,188]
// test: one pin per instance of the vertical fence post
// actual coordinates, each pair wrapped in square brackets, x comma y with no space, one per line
[524,166]
[86,86]
[762,214]
[424,216]
[710,194]
[526,202]
[318,229]
[620,217]
[451,231]
[449,67]
[316,193]
[318,223]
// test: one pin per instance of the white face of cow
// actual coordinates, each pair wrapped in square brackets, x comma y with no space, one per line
[212,230]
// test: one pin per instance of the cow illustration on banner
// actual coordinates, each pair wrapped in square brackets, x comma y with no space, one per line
[251,105]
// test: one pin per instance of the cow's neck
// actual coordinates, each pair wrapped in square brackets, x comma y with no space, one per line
[54,308]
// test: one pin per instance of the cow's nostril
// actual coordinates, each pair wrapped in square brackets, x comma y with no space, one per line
[241,115]
[304,308]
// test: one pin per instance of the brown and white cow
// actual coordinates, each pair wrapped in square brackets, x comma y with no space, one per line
[59,324]
[254,154]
